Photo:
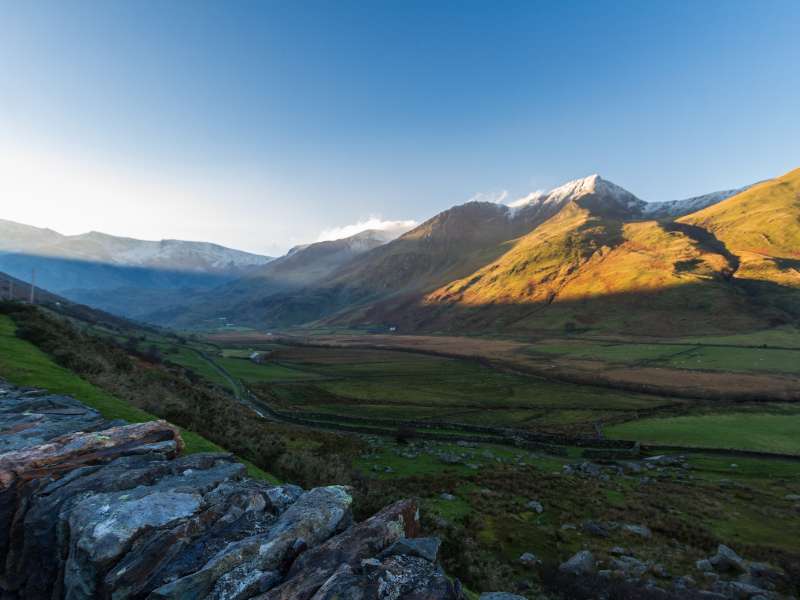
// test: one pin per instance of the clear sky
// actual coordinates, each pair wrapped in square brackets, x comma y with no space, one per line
[260,125]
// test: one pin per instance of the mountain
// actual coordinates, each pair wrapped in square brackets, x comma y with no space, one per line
[446,247]
[592,267]
[588,254]
[300,267]
[102,248]
[761,227]
[121,275]
[672,209]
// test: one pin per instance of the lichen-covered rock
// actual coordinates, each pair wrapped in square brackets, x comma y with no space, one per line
[312,569]
[114,513]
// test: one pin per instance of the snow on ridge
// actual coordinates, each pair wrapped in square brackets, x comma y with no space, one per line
[676,208]
[594,184]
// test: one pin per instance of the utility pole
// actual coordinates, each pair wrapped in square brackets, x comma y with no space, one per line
[33,286]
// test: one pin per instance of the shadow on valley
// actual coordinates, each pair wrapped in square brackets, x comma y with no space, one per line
[718,306]
[125,290]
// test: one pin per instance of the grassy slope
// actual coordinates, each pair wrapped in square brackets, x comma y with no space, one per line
[24,364]
[604,274]
[746,431]
[577,255]
[679,356]
[762,227]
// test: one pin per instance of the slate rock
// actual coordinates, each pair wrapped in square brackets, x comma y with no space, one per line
[427,548]
[582,563]
[726,560]
[535,506]
[596,529]
[113,512]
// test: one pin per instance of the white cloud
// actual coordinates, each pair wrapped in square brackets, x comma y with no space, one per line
[395,228]
[494,197]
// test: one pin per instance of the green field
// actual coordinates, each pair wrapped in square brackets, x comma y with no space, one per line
[24,364]
[487,524]
[249,371]
[406,386]
[778,433]
[680,356]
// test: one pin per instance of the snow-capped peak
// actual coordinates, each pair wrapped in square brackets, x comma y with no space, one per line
[573,190]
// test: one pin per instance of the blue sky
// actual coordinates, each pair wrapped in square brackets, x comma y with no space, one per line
[260,125]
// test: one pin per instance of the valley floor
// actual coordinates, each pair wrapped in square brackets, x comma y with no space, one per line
[346,403]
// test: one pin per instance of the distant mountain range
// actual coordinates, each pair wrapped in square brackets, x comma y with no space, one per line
[588,255]
[118,274]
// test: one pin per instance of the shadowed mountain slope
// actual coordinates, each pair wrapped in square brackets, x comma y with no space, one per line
[121,275]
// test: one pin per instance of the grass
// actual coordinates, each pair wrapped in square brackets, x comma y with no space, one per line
[24,364]
[441,382]
[249,371]
[682,356]
[779,433]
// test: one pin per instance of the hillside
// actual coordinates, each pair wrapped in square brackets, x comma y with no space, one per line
[586,255]
[121,275]
[446,247]
[598,265]
[761,226]
[300,267]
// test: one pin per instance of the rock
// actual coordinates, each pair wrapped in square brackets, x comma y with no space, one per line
[410,578]
[792,497]
[640,530]
[535,506]
[114,513]
[500,596]
[596,529]
[631,467]
[659,571]
[619,551]
[27,421]
[704,565]
[315,516]
[726,560]
[684,582]
[364,541]
[24,471]
[529,559]
[582,563]
[427,548]
[764,575]
[630,566]
[740,591]
[448,497]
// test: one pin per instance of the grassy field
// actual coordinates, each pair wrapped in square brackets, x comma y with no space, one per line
[407,386]
[778,433]
[24,364]
[679,356]
[486,524]
[251,372]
